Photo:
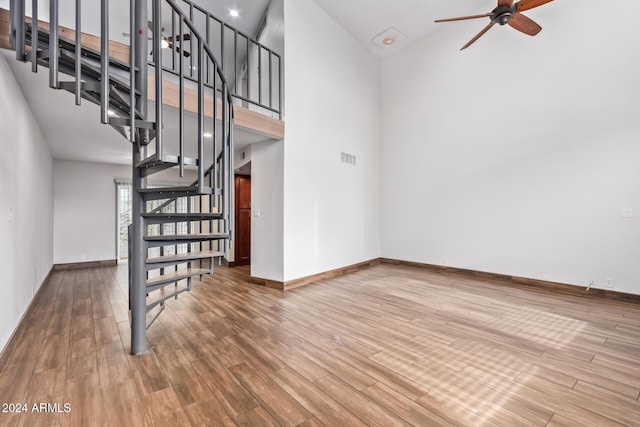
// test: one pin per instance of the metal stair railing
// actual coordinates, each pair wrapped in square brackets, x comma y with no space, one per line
[219,173]
[265,92]
[107,88]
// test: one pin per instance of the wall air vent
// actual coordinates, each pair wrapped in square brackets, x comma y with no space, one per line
[349,159]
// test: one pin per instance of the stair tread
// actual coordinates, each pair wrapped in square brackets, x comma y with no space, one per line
[171,237]
[164,294]
[208,190]
[183,215]
[174,276]
[165,159]
[184,257]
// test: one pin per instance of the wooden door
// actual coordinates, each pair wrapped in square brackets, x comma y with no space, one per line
[243,220]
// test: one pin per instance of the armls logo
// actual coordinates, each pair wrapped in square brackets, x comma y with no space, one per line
[51,407]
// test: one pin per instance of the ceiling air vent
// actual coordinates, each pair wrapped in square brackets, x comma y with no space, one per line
[349,159]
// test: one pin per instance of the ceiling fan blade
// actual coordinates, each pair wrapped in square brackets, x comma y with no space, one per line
[184,52]
[462,18]
[480,34]
[179,38]
[523,5]
[524,24]
[506,3]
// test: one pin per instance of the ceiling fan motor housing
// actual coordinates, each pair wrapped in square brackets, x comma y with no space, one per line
[503,14]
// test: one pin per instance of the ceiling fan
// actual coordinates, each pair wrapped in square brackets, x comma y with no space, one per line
[506,13]
[168,41]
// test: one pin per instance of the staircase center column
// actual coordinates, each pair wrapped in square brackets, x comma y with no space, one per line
[137,280]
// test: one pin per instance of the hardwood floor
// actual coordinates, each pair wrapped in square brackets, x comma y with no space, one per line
[386,346]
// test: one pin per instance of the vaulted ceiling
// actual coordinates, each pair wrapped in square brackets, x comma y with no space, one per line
[364,19]
[414,19]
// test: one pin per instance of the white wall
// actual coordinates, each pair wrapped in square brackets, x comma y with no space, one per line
[267,185]
[331,210]
[26,204]
[273,35]
[85,208]
[516,155]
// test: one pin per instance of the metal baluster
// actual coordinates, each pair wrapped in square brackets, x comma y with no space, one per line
[280,90]
[78,51]
[235,60]
[17,28]
[181,112]
[259,74]
[222,28]
[132,70]
[231,176]
[200,117]
[174,44]
[213,200]
[208,36]
[104,61]
[53,44]
[157,53]
[200,224]
[270,80]
[189,230]
[191,41]
[225,163]
[34,36]
[162,248]
[248,94]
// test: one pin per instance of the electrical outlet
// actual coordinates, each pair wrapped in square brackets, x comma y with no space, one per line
[608,283]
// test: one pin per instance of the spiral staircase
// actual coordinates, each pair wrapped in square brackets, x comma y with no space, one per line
[130,93]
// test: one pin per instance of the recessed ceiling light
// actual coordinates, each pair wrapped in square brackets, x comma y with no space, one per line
[111,113]
[388,37]
[164,44]
[207,135]
[234,13]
